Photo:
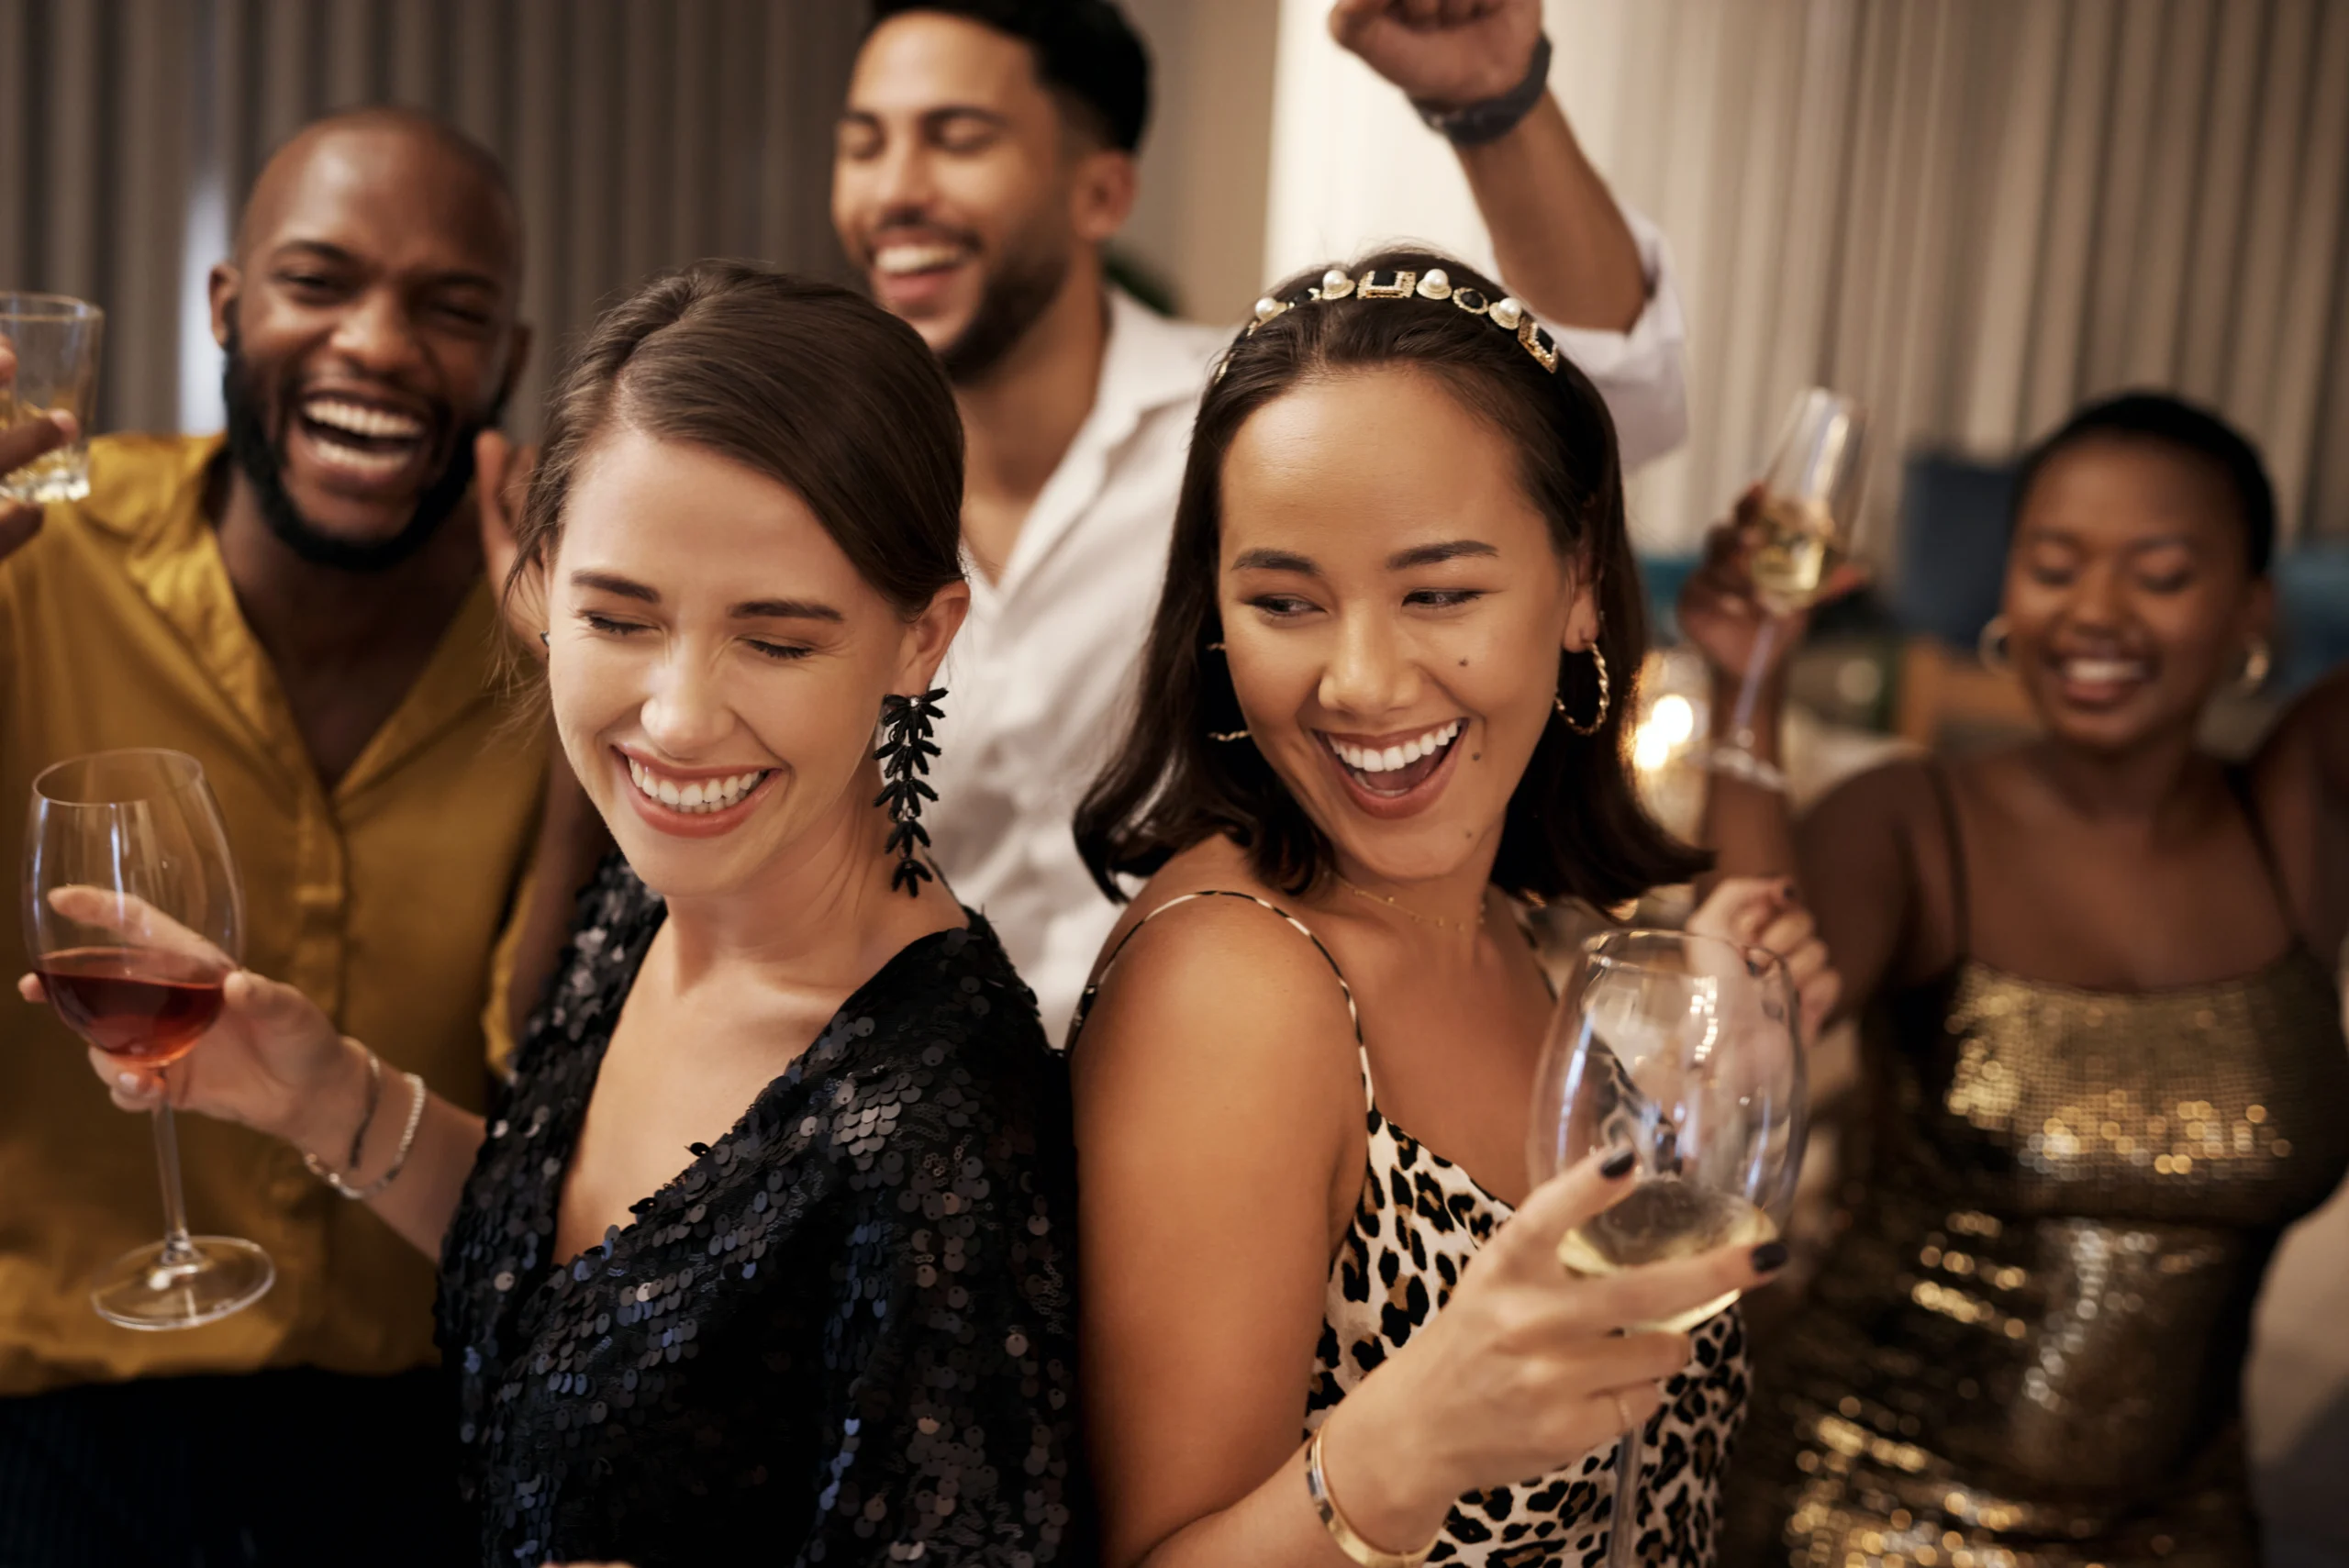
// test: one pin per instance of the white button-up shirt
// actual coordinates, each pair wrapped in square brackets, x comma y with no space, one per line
[1036,681]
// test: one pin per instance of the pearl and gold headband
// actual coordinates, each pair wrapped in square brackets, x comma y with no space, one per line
[1506,312]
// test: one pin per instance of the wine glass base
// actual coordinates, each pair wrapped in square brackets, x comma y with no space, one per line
[152,1289]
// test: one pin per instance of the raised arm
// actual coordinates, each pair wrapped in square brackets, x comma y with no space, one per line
[1475,69]
[1749,826]
[1561,243]
[1851,856]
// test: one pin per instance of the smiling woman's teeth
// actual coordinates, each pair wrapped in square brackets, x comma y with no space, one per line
[2102,671]
[698,798]
[1387,759]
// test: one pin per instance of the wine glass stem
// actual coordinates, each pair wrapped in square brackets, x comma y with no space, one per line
[177,1248]
[1741,722]
[1624,1532]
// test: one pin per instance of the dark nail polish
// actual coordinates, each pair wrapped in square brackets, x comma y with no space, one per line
[1619,1164]
[1770,1257]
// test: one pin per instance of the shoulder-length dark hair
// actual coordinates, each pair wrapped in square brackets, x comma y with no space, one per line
[1575,827]
[816,388]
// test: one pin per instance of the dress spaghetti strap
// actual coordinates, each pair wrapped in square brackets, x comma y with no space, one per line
[1960,900]
[2239,785]
[1353,1013]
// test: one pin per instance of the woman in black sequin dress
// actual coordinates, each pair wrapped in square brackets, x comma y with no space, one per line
[842,1333]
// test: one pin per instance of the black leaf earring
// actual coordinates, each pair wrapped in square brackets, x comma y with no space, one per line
[904,754]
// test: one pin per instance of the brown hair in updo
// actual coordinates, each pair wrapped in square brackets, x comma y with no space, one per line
[816,388]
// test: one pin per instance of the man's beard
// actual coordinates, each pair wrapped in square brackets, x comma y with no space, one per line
[258,457]
[1015,296]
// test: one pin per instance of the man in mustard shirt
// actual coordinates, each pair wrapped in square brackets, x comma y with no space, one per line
[301,606]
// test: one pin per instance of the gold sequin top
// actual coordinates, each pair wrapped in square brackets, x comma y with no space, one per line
[2025,1352]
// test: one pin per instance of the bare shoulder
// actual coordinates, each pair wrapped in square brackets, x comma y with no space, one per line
[1896,800]
[1873,874]
[2309,748]
[1216,981]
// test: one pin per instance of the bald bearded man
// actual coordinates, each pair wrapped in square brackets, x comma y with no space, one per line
[301,604]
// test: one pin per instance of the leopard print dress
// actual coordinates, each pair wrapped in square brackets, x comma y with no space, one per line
[1420,1222]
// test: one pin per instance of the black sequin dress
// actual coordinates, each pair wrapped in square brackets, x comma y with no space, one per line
[842,1335]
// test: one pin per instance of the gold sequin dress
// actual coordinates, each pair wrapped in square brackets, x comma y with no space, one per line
[2025,1351]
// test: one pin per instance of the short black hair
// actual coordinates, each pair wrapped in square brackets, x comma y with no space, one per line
[2164,419]
[422,124]
[1575,825]
[1085,49]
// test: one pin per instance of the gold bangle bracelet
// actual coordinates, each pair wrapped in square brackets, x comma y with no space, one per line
[1316,1486]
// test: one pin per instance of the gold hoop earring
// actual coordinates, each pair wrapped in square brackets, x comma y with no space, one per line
[2258,661]
[1991,646]
[1598,667]
[1226,735]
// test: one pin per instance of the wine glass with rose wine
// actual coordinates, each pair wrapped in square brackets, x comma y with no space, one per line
[1806,526]
[134,918]
[1682,1049]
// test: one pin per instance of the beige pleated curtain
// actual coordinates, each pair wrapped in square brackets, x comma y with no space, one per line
[1974,213]
[639,133]
[1977,213]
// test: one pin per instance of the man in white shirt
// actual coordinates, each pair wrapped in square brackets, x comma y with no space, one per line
[985,156]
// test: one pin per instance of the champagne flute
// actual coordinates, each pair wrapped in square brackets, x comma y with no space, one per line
[135,918]
[1809,526]
[1684,1050]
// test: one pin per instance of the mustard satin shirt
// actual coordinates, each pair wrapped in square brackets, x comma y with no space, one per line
[383,898]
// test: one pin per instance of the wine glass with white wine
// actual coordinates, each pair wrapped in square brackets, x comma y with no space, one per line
[1684,1050]
[1808,527]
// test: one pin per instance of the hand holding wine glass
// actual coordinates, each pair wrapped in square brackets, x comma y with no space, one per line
[1528,1366]
[1792,547]
[134,917]
[270,1060]
[1720,610]
[1679,1055]
[1767,912]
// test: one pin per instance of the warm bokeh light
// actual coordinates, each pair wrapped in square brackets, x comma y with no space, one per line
[1666,727]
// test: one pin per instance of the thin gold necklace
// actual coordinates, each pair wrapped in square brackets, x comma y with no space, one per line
[1405,910]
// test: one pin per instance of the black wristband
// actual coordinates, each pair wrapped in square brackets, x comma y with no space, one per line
[1494,117]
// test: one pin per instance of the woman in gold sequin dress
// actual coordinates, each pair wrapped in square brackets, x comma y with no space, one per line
[2106,1062]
